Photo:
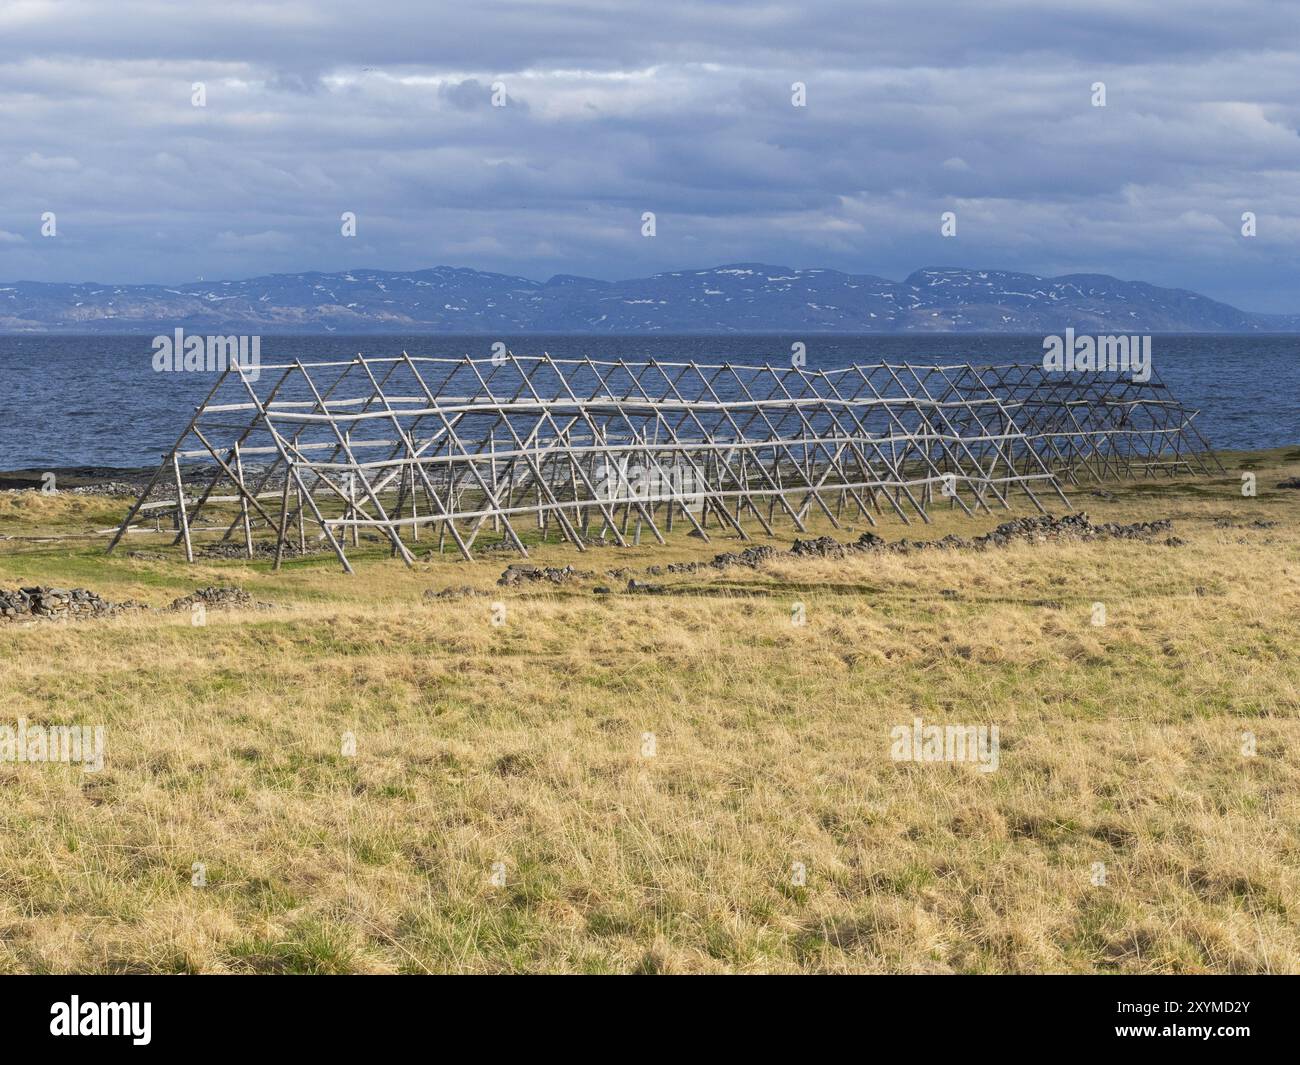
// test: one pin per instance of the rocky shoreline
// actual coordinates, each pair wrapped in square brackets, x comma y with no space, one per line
[107,480]
[78,480]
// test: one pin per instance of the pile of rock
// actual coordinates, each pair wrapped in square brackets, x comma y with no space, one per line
[872,542]
[58,604]
[81,604]
[822,547]
[752,557]
[1258,523]
[217,599]
[521,573]
[1046,528]
[1139,530]
[463,591]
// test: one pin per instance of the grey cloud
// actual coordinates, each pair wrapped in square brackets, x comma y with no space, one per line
[314,108]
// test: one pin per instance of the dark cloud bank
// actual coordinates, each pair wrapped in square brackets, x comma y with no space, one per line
[611,110]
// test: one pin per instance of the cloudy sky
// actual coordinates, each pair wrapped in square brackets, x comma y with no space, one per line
[617,107]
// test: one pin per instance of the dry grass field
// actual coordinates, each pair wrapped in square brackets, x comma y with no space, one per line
[502,812]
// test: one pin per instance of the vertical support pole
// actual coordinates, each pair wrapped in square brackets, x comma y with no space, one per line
[180,507]
[415,507]
[243,504]
[284,522]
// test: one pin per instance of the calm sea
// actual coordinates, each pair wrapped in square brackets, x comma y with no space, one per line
[96,401]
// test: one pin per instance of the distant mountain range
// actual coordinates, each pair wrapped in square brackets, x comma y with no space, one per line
[741,298]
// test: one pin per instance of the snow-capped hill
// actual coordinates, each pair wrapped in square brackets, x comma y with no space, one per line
[732,298]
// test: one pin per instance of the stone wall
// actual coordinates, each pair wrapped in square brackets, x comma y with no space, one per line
[53,604]
[81,604]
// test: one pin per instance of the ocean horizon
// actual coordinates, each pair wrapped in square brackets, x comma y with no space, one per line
[98,400]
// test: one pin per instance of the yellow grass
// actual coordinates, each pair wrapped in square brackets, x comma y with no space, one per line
[522,744]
